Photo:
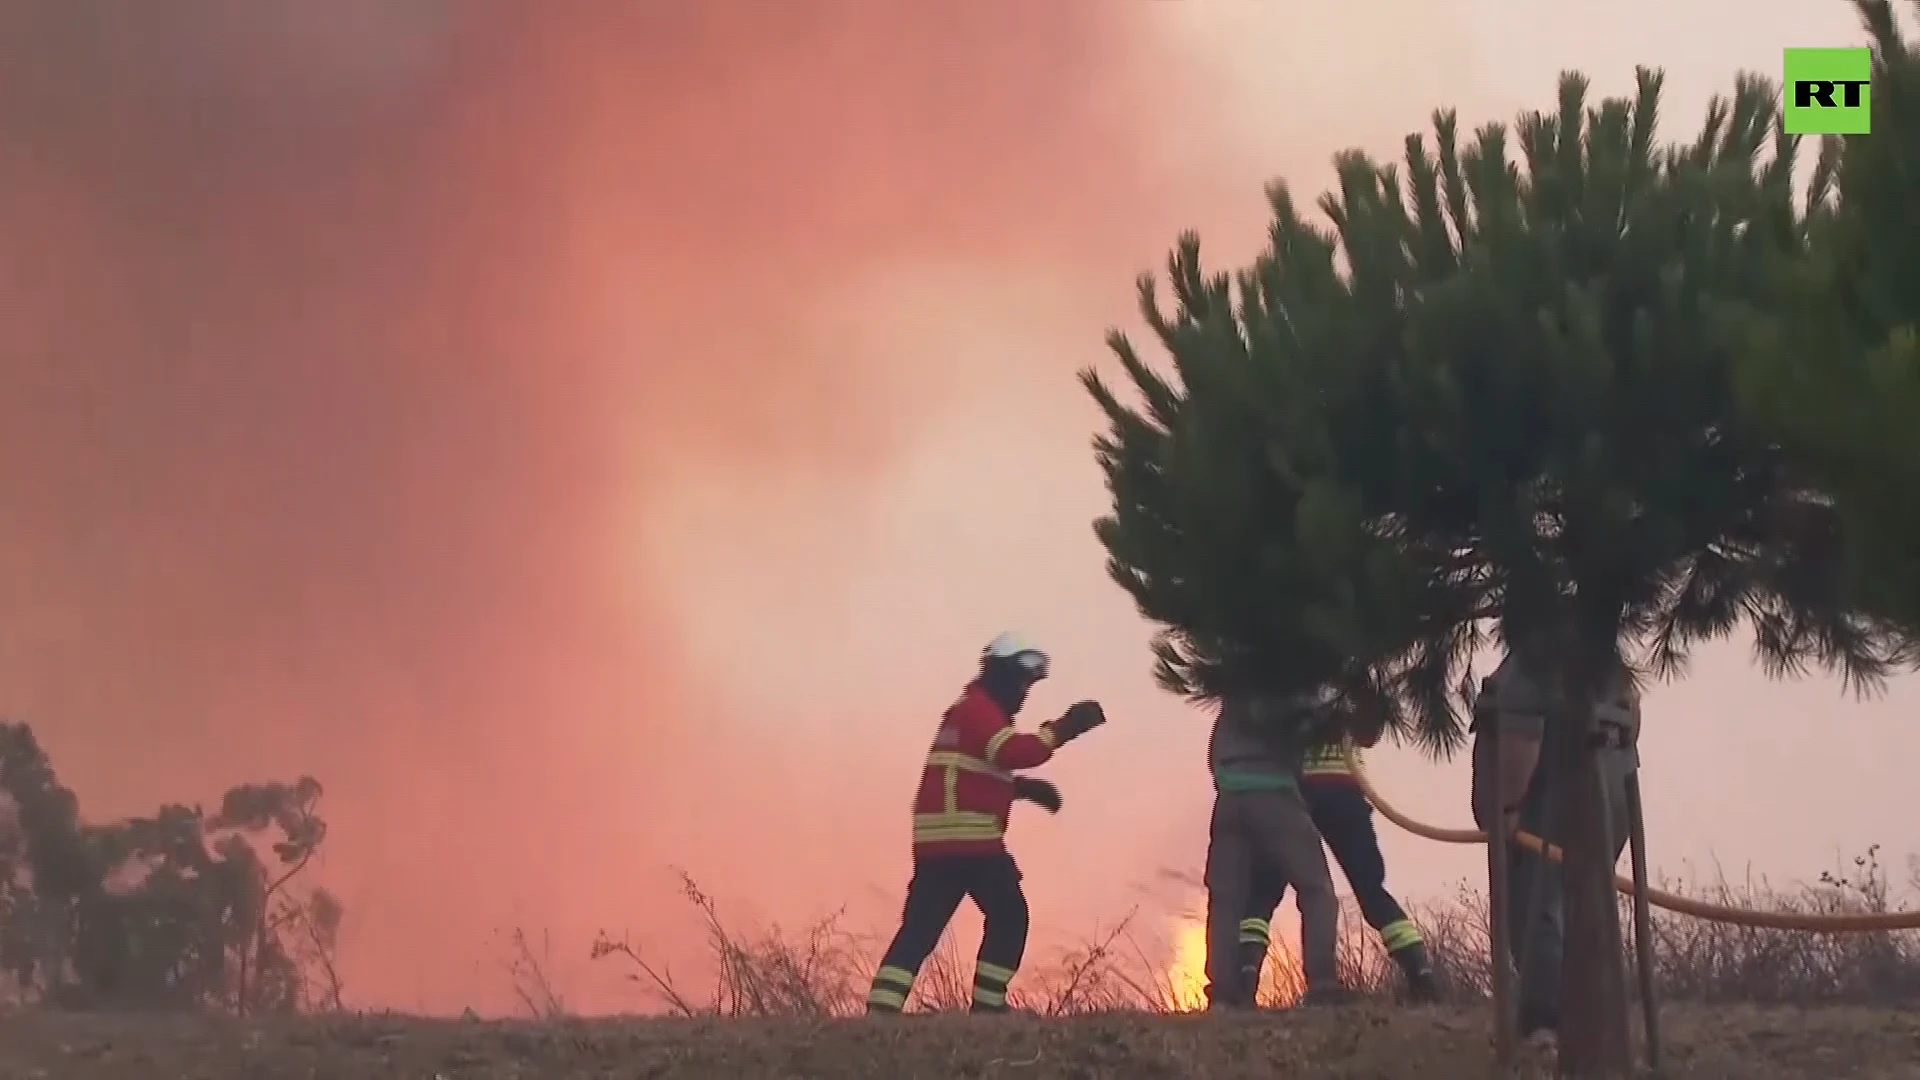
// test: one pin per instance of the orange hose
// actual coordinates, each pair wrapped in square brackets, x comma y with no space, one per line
[1771,920]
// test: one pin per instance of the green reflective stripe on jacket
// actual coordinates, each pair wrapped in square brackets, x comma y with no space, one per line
[1255,747]
[1241,782]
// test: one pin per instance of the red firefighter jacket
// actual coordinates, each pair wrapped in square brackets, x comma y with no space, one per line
[966,788]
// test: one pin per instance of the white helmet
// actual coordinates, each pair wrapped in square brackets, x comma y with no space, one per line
[1015,647]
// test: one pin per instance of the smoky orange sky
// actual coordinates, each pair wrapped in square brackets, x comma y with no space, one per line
[595,438]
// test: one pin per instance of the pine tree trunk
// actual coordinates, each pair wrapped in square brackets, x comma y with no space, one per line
[1595,1039]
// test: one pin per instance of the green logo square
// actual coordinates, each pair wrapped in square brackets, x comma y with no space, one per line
[1828,91]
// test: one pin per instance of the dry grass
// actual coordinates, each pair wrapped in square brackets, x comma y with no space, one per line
[1730,1042]
[1753,1005]
[822,970]
[1713,962]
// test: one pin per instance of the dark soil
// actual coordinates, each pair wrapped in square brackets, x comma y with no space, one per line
[1361,1041]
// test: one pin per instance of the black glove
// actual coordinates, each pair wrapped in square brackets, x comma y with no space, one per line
[1040,793]
[1080,718]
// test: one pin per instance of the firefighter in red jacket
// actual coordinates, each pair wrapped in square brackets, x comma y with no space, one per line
[960,822]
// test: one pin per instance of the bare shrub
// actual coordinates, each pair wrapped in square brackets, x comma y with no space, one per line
[819,972]
[529,972]
[823,969]
[1700,960]
[311,925]
[1107,972]
[945,983]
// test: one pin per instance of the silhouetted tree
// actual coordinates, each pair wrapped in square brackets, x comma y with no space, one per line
[180,909]
[1496,398]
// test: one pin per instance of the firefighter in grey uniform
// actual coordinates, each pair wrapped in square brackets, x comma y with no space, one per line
[1529,755]
[1345,819]
[1260,818]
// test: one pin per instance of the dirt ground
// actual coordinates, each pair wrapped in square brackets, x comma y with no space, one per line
[1363,1041]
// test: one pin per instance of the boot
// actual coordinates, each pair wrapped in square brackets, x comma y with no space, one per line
[1318,997]
[1218,1003]
[1253,957]
[1422,985]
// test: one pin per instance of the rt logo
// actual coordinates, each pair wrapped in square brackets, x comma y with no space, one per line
[1828,91]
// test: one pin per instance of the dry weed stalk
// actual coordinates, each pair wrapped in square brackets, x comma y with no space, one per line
[822,970]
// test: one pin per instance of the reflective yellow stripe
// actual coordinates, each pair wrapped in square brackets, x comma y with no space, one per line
[1398,935]
[1328,760]
[956,836]
[951,822]
[998,740]
[961,822]
[958,825]
[1255,930]
[993,999]
[958,817]
[990,984]
[953,759]
[898,977]
[891,986]
[993,973]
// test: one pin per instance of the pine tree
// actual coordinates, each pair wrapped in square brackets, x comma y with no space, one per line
[1833,368]
[1495,400]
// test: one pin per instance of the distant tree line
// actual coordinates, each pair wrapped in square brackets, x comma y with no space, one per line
[181,910]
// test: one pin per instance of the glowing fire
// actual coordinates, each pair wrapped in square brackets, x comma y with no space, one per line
[1187,966]
[1280,979]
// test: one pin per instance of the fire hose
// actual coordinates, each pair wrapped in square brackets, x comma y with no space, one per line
[1684,905]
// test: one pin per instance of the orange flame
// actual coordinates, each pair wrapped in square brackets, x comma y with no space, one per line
[1187,966]
[1281,979]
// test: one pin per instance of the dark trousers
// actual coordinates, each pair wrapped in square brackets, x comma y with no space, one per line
[1272,828]
[1344,819]
[939,884]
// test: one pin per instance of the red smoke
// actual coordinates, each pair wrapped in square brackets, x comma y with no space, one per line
[344,345]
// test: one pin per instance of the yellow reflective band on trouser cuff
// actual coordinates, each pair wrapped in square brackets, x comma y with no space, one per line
[1399,935]
[1255,930]
[891,985]
[990,984]
[1047,735]
[894,976]
[992,999]
[992,973]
